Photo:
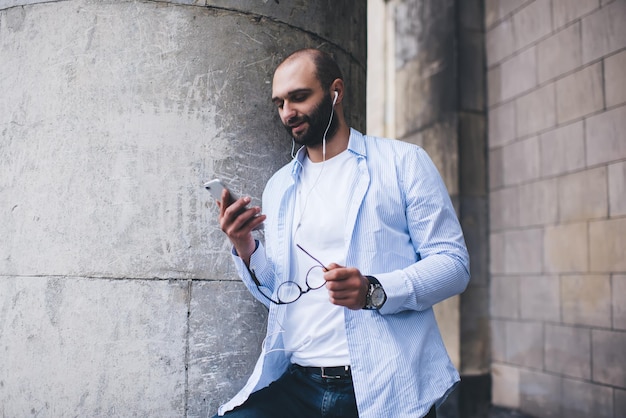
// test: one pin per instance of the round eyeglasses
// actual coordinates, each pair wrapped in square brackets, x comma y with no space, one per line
[290,291]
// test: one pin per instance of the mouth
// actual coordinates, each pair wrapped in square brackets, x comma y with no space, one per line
[297,128]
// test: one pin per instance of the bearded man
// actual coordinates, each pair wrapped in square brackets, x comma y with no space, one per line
[361,240]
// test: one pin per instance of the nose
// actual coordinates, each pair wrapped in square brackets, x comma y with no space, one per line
[287,112]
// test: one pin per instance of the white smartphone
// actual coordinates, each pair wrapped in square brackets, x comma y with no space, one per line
[215,187]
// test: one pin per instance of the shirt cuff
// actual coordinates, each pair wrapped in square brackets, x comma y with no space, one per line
[397,290]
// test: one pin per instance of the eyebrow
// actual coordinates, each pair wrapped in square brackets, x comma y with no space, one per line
[277,99]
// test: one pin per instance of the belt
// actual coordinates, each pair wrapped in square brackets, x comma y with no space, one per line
[338,372]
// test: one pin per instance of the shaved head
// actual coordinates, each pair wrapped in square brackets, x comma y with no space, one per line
[326,68]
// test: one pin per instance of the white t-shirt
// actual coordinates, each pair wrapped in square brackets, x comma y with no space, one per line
[314,328]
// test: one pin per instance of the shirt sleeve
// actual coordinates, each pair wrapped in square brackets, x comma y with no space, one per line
[442,269]
[262,269]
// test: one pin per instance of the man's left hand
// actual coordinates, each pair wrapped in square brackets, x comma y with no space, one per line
[346,286]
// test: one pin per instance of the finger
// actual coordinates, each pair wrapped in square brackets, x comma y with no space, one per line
[331,266]
[334,272]
[243,221]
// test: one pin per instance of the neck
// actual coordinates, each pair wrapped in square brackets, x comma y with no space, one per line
[334,145]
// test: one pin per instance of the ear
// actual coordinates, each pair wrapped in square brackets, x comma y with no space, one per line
[337,87]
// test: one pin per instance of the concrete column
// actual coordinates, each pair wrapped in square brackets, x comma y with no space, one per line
[117,292]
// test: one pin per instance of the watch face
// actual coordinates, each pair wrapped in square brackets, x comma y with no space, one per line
[378,296]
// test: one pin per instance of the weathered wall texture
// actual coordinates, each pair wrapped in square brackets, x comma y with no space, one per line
[117,292]
[557,151]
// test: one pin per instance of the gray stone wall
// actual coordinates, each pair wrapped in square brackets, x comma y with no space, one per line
[557,169]
[117,292]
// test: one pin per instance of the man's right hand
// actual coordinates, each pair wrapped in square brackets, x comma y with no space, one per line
[237,221]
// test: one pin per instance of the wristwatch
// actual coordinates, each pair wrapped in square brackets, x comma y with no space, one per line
[376,296]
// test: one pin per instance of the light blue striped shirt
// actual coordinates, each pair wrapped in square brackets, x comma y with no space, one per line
[402,229]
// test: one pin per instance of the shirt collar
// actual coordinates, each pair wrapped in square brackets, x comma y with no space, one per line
[356,145]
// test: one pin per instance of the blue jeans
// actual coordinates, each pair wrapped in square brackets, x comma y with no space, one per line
[300,394]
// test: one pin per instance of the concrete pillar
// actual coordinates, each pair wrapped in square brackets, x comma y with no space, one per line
[117,293]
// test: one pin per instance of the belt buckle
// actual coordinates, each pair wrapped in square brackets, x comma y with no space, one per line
[335,376]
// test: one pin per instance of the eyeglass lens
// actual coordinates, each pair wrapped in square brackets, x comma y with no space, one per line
[291,291]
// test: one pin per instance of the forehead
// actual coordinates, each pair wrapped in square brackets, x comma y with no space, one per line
[294,74]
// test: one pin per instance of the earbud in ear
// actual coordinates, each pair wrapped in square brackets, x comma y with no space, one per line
[336,95]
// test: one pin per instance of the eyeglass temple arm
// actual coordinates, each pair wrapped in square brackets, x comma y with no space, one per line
[258,286]
[309,254]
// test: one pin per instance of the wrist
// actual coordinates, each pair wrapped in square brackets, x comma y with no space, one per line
[245,250]
[376,296]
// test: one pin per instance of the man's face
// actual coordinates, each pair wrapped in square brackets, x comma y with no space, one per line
[313,125]
[304,108]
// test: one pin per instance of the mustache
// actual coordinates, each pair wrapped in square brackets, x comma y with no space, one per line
[297,120]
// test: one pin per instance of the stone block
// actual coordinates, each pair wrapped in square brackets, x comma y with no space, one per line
[524,344]
[615,79]
[532,23]
[540,394]
[559,54]
[603,31]
[583,195]
[562,150]
[523,251]
[538,203]
[620,403]
[497,9]
[503,208]
[505,389]
[617,189]
[586,300]
[566,11]
[519,74]
[92,347]
[496,168]
[473,164]
[471,15]
[536,111]
[609,357]
[579,94]
[474,333]
[226,331]
[424,82]
[475,224]
[494,85]
[521,161]
[568,351]
[471,74]
[539,298]
[605,136]
[498,340]
[619,301]
[500,42]
[504,296]
[584,399]
[607,240]
[566,248]
[496,248]
[502,125]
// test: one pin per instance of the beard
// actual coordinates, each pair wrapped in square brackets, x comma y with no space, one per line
[317,121]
